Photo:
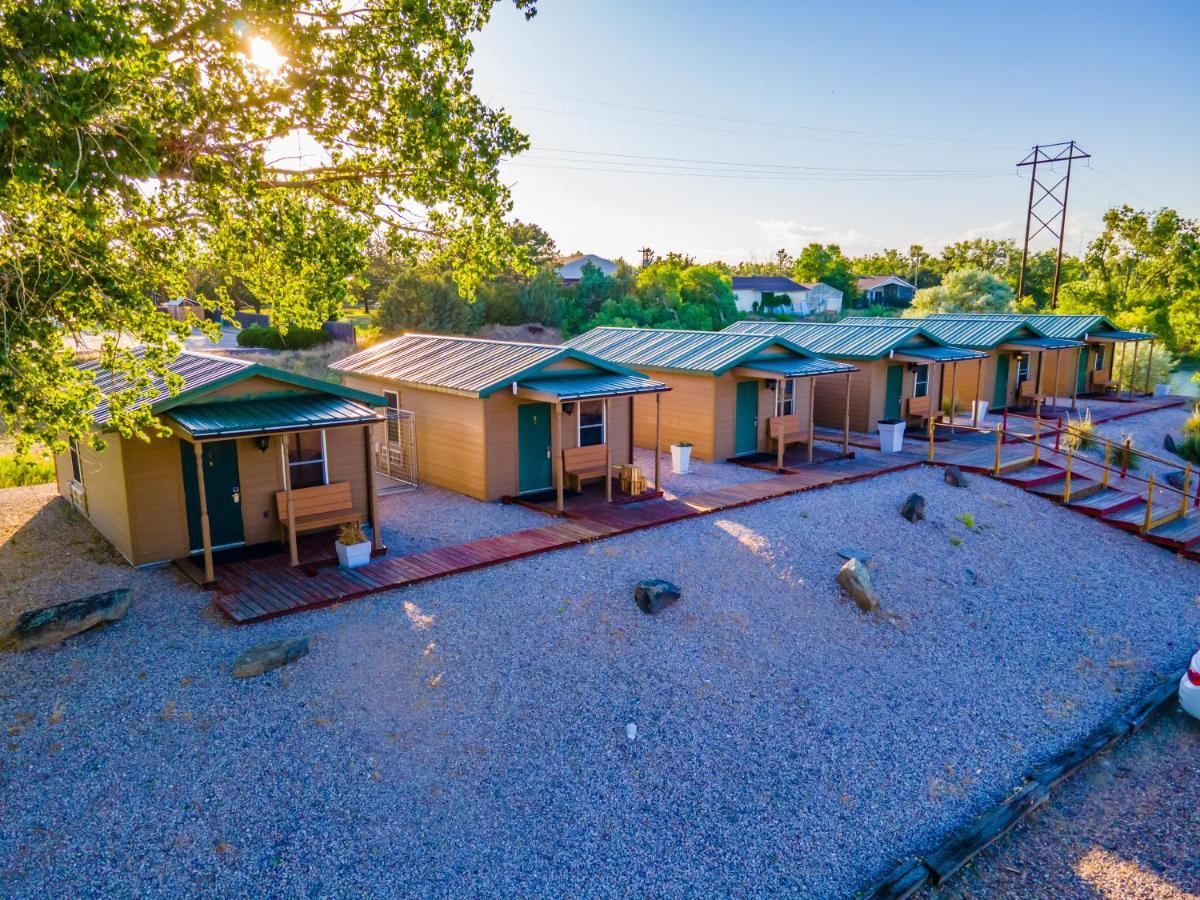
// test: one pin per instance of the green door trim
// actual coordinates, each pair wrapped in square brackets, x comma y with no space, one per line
[1081,372]
[222,494]
[534,469]
[892,390]
[745,418]
[1000,388]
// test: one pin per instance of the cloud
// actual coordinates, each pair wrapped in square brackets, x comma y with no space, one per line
[794,235]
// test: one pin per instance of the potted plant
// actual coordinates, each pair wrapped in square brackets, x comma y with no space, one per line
[353,548]
[681,458]
[891,435]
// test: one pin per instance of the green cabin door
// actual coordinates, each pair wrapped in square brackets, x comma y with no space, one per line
[222,493]
[533,448]
[891,396]
[1000,391]
[745,425]
[1081,372]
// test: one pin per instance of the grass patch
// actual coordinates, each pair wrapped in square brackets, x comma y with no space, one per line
[1123,455]
[968,520]
[1192,425]
[21,471]
[1188,447]
[1081,434]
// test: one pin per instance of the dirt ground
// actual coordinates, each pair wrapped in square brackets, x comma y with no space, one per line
[49,553]
[1124,827]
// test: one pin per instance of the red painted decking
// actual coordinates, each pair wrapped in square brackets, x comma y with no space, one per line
[258,589]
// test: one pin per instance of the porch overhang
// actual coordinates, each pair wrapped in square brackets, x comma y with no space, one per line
[1117,337]
[247,418]
[592,386]
[925,355]
[797,367]
[1040,343]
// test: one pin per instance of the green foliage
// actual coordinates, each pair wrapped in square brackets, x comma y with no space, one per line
[1162,364]
[270,337]
[874,311]
[1081,433]
[415,301]
[1188,447]
[1123,455]
[1192,424]
[968,520]
[541,300]
[20,470]
[956,542]
[969,290]
[140,143]
[827,264]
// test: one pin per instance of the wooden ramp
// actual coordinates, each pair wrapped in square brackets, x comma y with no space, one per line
[257,589]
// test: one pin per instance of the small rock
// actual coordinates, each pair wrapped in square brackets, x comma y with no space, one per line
[848,553]
[654,595]
[1169,443]
[913,508]
[970,575]
[631,731]
[1175,480]
[856,581]
[954,477]
[265,657]
[40,627]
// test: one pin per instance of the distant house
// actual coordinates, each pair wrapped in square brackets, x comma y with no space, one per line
[570,268]
[782,296]
[885,290]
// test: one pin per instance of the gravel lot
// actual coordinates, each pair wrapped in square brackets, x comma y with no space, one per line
[1125,827]
[468,736]
[430,517]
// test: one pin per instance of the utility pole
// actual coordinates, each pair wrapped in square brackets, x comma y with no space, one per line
[647,256]
[1053,216]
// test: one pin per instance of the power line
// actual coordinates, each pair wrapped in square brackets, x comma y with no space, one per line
[753,176]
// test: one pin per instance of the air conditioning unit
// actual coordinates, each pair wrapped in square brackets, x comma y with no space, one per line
[78,497]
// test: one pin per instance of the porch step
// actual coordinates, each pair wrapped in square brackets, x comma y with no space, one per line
[1130,518]
[1033,475]
[1184,531]
[1013,466]
[1104,501]
[1083,488]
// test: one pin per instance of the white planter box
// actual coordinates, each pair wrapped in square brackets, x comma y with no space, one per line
[1162,390]
[891,436]
[681,459]
[351,556]
[979,410]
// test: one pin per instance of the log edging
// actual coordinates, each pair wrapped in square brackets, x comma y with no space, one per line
[912,873]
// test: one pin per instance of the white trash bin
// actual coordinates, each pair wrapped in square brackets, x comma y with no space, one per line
[681,458]
[891,435]
[979,410]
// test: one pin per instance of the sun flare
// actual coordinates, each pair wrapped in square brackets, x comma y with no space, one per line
[264,55]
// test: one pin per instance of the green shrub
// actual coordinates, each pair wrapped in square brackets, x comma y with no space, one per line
[1081,434]
[19,471]
[1188,447]
[269,338]
[1122,458]
[1192,425]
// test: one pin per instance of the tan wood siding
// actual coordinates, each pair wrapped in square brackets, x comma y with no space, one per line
[260,477]
[157,509]
[500,428]
[252,386]
[346,460]
[103,474]
[687,414]
[831,399]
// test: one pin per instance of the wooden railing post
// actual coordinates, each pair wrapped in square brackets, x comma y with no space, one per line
[1107,460]
[1058,435]
[1037,441]
[1187,479]
[931,426]
[1125,457]
[999,441]
[1149,506]
[1067,482]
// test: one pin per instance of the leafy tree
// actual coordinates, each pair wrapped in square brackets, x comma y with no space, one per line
[971,290]
[140,140]
[827,264]
[533,243]
[416,301]
[541,299]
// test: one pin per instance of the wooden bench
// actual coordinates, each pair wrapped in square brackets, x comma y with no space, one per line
[1028,391]
[317,508]
[787,429]
[582,464]
[918,408]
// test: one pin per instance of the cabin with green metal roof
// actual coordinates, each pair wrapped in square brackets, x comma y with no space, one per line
[237,434]
[505,419]
[900,370]
[732,395]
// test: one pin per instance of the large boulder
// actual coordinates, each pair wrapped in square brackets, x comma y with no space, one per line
[913,508]
[654,594]
[954,477]
[40,627]
[265,657]
[1175,480]
[1169,443]
[856,581]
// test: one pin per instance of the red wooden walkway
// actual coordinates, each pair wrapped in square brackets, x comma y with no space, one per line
[258,589]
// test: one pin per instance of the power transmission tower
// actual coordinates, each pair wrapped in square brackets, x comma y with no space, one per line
[1052,212]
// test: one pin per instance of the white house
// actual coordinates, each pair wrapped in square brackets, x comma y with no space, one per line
[570,268]
[782,296]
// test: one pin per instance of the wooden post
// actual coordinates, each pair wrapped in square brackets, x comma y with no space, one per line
[1149,367]
[1187,478]
[1057,357]
[1115,370]
[631,426]
[779,436]
[608,456]
[978,393]
[293,550]
[953,394]
[1075,380]
[999,441]
[556,448]
[931,427]
[372,499]
[1125,457]
[846,420]
[1107,462]
[658,441]
[205,532]
[1067,481]
[1149,520]
[812,396]
[1133,370]
[1037,440]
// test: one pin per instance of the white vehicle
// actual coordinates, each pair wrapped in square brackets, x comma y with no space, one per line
[1189,688]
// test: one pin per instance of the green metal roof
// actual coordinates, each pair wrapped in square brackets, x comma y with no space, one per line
[1055,325]
[463,365]
[837,340]
[975,332]
[941,354]
[583,387]
[707,352]
[1046,343]
[798,367]
[298,412]
[203,373]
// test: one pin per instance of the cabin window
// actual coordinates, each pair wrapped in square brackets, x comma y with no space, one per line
[921,382]
[393,419]
[76,468]
[1099,359]
[591,423]
[306,459]
[785,405]
[1022,368]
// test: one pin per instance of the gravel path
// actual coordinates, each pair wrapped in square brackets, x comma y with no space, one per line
[1125,827]
[468,736]
[704,476]
[430,517]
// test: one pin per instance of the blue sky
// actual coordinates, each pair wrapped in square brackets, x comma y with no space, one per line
[745,127]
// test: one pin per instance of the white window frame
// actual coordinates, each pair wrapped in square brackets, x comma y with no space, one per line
[76,461]
[921,384]
[785,402]
[579,426]
[309,462]
[1099,366]
[392,425]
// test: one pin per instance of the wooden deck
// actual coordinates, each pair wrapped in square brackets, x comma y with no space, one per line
[253,590]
